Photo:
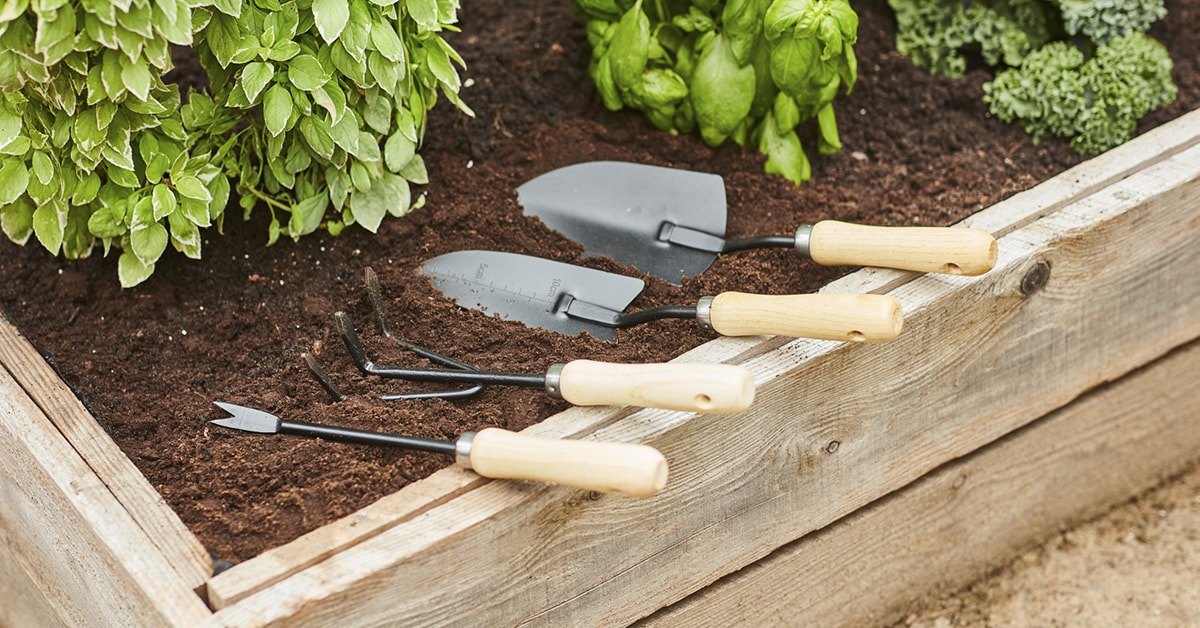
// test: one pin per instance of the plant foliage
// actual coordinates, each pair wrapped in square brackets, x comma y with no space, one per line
[316,111]
[746,70]
[1078,69]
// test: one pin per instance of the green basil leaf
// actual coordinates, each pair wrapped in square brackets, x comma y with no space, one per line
[14,178]
[722,91]
[193,188]
[164,201]
[104,224]
[132,271]
[148,242]
[387,42]
[307,215]
[331,17]
[43,168]
[306,73]
[398,151]
[184,235]
[10,127]
[414,171]
[315,132]
[277,109]
[255,77]
[630,48]
[425,13]
[49,224]
[16,220]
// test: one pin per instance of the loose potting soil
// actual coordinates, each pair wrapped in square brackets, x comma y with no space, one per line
[149,361]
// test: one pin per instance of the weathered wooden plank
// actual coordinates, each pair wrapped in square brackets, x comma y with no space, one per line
[962,520]
[180,547]
[75,543]
[980,357]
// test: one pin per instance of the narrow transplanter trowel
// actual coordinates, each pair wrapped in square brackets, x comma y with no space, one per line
[626,468]
[573,299]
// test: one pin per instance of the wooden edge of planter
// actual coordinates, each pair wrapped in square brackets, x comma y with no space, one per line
[959,522]
[897,410]
[42,384]
[72,551]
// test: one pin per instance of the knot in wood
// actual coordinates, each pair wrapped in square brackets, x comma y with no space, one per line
[1036,278]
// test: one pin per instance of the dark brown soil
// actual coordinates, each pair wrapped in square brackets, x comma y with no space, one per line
[150,361]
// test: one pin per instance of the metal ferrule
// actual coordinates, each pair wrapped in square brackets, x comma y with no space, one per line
[554,380]
[803,236]
[704,312]
[462,449]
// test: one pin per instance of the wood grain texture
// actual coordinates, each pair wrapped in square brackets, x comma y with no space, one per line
[835,426]
[73,550]
[177,544]
[959,522]
[953,251]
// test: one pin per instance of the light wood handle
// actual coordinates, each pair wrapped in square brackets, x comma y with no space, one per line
[634,470]
[946,250]
[853,317]
[693,387]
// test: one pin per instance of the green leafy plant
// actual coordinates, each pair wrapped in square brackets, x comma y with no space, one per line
[1077,69]
[315,113]
[746,70]
[1096,102]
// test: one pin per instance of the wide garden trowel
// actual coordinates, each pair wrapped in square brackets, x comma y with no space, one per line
[670,223]
[574,299]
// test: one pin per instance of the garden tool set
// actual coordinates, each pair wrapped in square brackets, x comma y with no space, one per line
[668,223]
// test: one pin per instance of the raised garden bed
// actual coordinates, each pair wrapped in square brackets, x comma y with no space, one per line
[835,428]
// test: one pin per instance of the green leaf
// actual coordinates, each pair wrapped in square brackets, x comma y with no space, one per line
[10,127]
[415,171]
[722,91]
[14,178]
[306,73]
[43,168]
[191,187]
[315,132]
[425,13]
[103,223]
[630,48]
[371,205]
[307,215]
[331,17]
[223,38]
[255,77]
[131,271]
[184,235]
[49,224]
[277,109]
[398,151]
[16,220]
[148,242]
[164,201]
[387,42]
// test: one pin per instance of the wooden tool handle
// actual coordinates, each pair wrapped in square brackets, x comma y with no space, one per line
[853,317]
[947,250]
[693,387]
[634,470]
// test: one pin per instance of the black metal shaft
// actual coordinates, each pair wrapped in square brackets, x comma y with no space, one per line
[362,437]
[760,242]
[653,314]
[359,355]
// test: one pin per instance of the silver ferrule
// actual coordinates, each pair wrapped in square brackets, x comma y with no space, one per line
[704,312]
[554,380]
[803,237]
[462,449]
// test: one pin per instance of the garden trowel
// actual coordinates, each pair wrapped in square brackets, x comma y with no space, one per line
[670,223]
[631,469]
[574,299]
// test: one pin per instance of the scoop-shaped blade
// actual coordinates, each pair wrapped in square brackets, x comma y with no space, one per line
[618,209]
[532,290]
[248,419]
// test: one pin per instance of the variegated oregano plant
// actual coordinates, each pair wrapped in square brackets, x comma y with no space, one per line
[315,113]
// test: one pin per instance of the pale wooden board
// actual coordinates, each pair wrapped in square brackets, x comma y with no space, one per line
[964,519]
[75,543]
[178,545]
[978,359]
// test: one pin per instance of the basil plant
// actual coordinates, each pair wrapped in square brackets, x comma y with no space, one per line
[314,112]
[746,70]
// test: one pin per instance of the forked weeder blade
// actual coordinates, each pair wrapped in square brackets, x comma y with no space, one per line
[247,419]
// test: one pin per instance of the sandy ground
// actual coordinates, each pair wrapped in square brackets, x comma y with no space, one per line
[1138,565]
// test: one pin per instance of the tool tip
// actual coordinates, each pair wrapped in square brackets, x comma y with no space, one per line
[247,419]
